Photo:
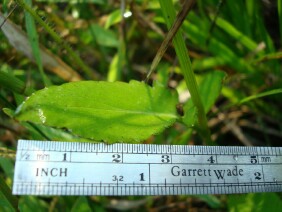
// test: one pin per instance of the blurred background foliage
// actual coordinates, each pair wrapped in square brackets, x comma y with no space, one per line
[117,41]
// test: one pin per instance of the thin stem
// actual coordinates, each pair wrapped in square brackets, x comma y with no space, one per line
[170,35]
[186,67]
[2,24]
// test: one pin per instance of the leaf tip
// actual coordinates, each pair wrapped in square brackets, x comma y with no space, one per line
[9,112]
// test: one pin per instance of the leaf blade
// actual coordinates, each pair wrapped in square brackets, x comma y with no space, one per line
[112,112]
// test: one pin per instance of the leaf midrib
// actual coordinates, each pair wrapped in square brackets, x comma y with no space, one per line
[168,115]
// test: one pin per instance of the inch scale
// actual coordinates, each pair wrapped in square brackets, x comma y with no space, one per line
[70,168]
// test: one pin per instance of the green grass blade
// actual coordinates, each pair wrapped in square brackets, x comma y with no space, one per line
[261,28]
[271,56]
[87,70]
[238,15]
[34,42]
[186,67]
[14,84]
[32,203]
[260,95]
[198,35]
[251,13]
[81,204]
[113,73]
[207,63]
[235,33]
[279,3]
[7,199]
[170,35]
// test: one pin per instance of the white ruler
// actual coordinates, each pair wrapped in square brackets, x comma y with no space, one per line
[66,168]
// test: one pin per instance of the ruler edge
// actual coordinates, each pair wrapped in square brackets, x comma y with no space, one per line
[76,143]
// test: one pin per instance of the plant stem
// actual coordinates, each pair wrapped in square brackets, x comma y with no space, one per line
[186,67]
[169,36]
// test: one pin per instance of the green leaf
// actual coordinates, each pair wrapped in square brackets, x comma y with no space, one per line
[9,112]
[211,200]
[190,115]
[254,202]
[207,63]
[113,70]
[104,37]
[5,205]
[31,203]
[8,202]
[209,88]
[111,112]
[7,166]
[81,204]
[236,34]
[113,18]
[39,132]
[13,84]
[199,35]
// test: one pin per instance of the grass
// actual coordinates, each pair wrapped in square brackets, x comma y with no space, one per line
[186,67]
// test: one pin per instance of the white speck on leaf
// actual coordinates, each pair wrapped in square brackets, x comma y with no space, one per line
[41,116]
